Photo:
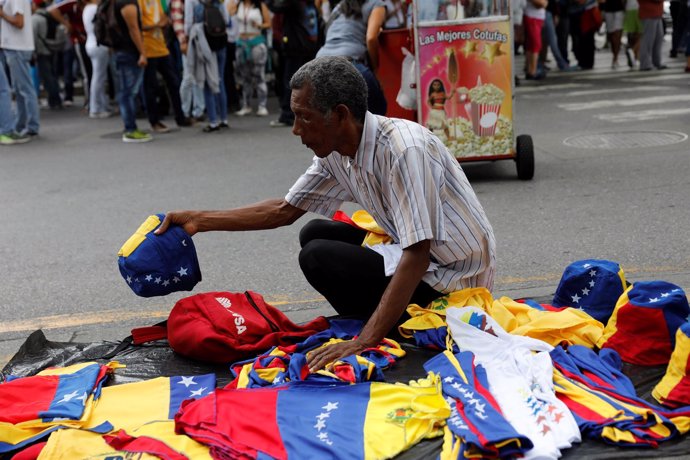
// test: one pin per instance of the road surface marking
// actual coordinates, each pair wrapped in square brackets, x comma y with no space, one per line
[655,114]
[607,103]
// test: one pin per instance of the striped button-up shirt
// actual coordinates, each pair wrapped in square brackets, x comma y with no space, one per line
[415,189]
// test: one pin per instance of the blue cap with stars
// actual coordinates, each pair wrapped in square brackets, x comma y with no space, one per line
[156,265]
[591,285]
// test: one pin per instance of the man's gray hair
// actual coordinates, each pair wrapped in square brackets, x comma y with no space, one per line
[333,80]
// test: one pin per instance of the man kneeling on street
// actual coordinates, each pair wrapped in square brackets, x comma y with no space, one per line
[397,171]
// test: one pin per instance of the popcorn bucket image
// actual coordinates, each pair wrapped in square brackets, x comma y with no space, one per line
[485,106]
[484,118]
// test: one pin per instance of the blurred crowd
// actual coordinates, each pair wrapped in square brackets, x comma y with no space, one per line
[193,60]
[634,31]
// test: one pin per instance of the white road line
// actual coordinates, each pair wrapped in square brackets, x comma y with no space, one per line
[643,115]
[606,103]
[671,76]
[591,92]
[534,89]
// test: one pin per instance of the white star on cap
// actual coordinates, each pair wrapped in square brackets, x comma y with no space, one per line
[176,279]
[166,282]
[129,279]
[184,243]
[592,283]
[665,294]
[586,265]
[320,424]
[186,381]
[592,273]
[448,379]
[323,415]
[182,271]
[585,291]
[576,298]
[323,436]
[653,300]
[157,280]
[148,278]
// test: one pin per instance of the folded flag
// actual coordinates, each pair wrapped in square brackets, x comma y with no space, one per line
[34,406]
[130,405]
[476,417]
[674,388]
[156,265]
[643,326]
[315,421]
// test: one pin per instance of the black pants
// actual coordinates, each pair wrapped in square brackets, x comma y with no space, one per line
[349,276]
[291,64]
[166,67]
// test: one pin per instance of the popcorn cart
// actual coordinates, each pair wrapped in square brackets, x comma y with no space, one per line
[464,79]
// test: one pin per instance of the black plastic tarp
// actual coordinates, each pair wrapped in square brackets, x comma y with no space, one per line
[157,359]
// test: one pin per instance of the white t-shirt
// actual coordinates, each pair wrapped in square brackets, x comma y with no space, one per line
[87,17]
[12,38]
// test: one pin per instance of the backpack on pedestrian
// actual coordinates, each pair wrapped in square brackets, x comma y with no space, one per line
[56,35]
[106,28]
[214,25]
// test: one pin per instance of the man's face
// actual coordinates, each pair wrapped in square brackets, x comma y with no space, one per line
[315,130]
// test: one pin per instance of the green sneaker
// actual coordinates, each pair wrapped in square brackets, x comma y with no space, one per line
[136,136]
[14,138]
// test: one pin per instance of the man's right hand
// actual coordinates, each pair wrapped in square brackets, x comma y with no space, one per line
[186,219]
[142,61]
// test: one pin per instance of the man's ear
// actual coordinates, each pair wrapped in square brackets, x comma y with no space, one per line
[342,112]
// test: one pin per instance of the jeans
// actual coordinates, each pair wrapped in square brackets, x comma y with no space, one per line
[376,100]
[129,78]
[6,113]
[166,67]
[191,94]
[217,104]
[98,99]
[46,72]
[552,40]
[19,63]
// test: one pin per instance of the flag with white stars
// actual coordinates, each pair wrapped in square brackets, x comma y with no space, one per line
[34,406]
[156,265]
[591,285]
[643,326]
[366,420]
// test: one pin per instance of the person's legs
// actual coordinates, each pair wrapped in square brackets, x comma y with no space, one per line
[258,69]
[129,76]
[6,112]
[98,99]
[647,43]
[351,277]
[46,72]
[375,99]
[24,91]
[552,40]
[68,73]
[211,105]
[222,96]
[85,69]
[290,65]
[151,91]
[658,41]
[233,95]
[243,75]
[166,67]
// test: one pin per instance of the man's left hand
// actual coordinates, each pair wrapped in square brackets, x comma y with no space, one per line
[318,358]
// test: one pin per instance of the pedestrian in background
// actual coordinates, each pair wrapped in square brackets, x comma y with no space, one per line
[99,103]
[651,15]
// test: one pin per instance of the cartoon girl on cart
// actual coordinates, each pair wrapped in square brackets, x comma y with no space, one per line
[436,120]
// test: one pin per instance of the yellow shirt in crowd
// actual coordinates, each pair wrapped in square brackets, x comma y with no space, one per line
[154,40]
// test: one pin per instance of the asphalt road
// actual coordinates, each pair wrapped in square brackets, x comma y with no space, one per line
[71,198]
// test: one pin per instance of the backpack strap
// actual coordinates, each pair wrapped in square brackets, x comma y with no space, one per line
[140,335]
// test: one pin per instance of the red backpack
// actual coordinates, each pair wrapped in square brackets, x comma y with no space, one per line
[223,327]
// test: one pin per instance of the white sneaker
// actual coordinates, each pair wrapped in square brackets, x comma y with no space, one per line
[262,112]
[100,115]
[243,111]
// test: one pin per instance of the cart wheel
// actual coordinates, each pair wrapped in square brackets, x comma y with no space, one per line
[524,157]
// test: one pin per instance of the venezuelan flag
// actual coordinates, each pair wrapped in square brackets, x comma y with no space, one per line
[316,421]
[34,406]
[674,388]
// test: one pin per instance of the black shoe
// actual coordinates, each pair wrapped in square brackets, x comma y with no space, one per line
[629,57]
[211,129]
[662,67]
[31,134]
[200,118]
[185,122]
[224,125]
[673,53]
